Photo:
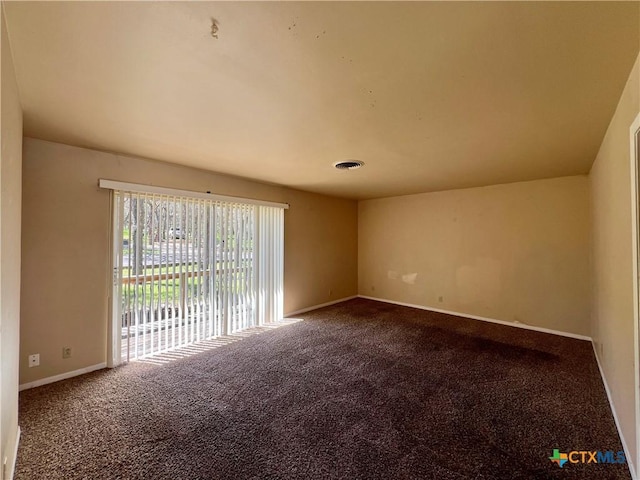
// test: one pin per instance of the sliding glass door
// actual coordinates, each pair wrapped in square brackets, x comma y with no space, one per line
[189,269]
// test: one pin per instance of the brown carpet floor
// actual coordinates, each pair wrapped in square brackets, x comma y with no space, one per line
[359,390]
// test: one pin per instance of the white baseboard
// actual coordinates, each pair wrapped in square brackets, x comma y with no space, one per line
[62,376]
[12,456]
[484,319]
[314,307]
[615,417]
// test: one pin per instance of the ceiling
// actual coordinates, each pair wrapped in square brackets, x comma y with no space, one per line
[430,95]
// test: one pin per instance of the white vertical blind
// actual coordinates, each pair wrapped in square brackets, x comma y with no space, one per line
[270,264]
[189,269]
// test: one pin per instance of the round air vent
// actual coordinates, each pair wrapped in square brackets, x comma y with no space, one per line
[348,165]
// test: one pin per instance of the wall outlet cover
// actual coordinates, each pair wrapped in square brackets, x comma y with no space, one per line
[34,360]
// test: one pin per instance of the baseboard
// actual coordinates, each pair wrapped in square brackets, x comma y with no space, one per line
[62,376]
[484,319]
[314,307]
[12,456]
[615,417]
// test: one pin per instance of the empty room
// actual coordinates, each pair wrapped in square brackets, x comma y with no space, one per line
[319,240]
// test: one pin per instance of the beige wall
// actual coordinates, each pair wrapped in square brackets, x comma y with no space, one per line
[612,321]
[10,205]
[515,252]
[66,246]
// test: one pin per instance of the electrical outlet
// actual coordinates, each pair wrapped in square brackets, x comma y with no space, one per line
[66,352]
[440,299]
[34,360]
[330,292]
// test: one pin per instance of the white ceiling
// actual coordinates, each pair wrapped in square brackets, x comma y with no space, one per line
[431,95]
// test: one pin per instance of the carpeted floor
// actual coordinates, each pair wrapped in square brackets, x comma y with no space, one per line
[359,390]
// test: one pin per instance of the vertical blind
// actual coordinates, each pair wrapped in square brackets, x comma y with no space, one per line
[188,269]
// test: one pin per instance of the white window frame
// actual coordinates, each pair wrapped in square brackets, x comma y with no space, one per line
[149,189]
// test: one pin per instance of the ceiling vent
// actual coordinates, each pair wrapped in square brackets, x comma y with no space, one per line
[348,165]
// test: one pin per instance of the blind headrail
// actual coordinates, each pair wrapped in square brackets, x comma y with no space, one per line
[139,188]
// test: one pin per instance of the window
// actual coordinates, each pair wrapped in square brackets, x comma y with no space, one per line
[190,268]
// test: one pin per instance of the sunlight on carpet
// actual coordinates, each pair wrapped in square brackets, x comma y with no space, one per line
[195,348]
